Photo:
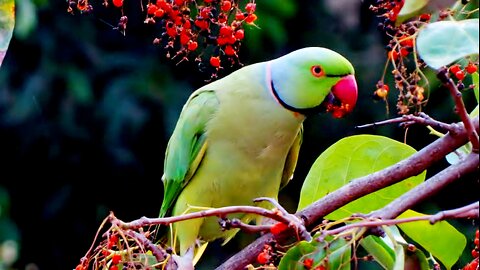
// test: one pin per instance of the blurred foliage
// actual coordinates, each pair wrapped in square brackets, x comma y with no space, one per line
[85,114]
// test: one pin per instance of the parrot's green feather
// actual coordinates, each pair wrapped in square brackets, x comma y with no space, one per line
[292,158]
[187,145]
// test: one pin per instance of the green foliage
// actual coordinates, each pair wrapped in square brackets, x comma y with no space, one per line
[441,239]
[441,43]
[331,253]
[353,157]
[379,250]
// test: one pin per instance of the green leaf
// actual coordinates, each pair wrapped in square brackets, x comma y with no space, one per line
[353,157]
[334,253]
[441,43]
[411,8]
[416,260]
[441,239]
[7,23]
[381,252]
[475,82]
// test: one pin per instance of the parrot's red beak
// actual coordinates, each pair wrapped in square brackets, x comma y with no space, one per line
[343,97]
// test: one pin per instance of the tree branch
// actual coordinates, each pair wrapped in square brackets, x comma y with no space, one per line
[428,188]
[362,186]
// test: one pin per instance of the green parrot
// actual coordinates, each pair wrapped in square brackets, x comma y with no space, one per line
[238,138]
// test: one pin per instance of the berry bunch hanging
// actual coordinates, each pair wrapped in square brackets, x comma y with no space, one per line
[209,31]
[401,54]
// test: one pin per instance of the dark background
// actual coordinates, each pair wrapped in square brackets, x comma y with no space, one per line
[86,112]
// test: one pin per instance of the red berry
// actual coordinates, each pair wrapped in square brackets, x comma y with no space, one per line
[225,31]
[179,2]
[454,68]
[425,17]
[113,267]
[239,34]
[80,267]
[215,61]
[116,258]
[239,16]
[192,46]
[251,18]
[460,75]
[307,263]
[226,6]
[263,258]
[118,3]
[184,38]
[475,253]
[471,68]
[151,8]
[159,13]
[406,41]
[404,52]
[278,227]
[250,7]
[393,55]
[476,234]
[229,50]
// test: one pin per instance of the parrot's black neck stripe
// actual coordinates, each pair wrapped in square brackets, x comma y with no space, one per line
[305,111]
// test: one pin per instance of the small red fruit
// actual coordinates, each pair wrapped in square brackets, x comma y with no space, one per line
[239,34]
[151,8]
[404,52]
[118,3]
[113,267]
[192,46]
[460,75]
[471,68]
[250,7]
[263,258]
[308,263]
[116,258]
[226,6]
[454,68]
[215,61]
[251,18]
[425,17]
[229,50]
[278,227]
[393,55]
[239,16]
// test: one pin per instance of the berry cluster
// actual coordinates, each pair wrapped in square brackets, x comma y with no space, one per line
[117,251]
[401,55]
[270,255]
[209,31]
[459,73]
[409,79]
[473,265]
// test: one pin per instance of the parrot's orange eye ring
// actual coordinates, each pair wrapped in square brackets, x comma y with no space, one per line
[317,71]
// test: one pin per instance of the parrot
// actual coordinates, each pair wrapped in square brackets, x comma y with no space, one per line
[238,138]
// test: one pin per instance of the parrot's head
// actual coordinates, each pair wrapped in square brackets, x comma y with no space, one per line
[312,80]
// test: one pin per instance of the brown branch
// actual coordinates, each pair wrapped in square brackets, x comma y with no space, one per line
[428,188]
[362,186]
[159,254]
[460,107]
[469,211]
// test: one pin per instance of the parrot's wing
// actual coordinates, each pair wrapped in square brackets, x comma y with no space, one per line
[292,158]
[187,145]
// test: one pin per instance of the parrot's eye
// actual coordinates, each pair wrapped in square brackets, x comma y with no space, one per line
[317,71]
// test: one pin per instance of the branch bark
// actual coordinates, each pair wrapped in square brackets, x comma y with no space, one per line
[362,186]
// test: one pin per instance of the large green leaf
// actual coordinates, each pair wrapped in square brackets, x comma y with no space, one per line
[441,239]
[381,252]
[353,157]
[441,43]
[7,22]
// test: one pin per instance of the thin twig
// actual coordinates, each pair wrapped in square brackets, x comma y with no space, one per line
[469,211]
[410,119]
